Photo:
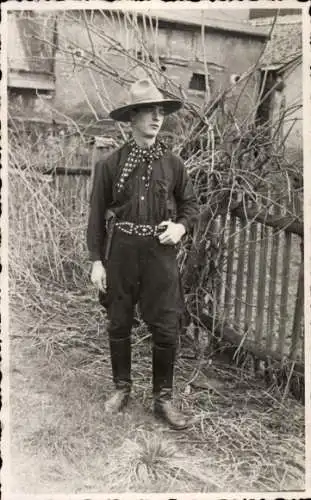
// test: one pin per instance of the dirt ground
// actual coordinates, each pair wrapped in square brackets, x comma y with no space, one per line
[242,438]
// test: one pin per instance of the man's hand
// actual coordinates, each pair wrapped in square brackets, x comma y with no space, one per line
[98,276]
[173,234]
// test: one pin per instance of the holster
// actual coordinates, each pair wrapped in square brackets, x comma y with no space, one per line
[110,218]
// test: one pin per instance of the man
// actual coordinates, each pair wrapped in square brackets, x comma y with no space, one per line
[148,190]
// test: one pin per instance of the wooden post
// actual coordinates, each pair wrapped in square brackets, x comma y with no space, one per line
[284,291]
[299,308]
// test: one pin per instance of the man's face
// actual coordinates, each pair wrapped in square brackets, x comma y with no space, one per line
[147,120]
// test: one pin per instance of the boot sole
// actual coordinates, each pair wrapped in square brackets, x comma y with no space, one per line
[159,416]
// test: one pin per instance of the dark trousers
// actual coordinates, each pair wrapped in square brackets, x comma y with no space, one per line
[141,270]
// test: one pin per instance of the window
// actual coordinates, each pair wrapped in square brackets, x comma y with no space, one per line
[198,82]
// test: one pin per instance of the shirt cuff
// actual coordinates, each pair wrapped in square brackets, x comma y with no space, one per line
[94,256]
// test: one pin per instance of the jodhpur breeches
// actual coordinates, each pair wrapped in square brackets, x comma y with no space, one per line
[141,270]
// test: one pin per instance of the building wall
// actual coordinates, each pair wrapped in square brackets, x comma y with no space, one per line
[82,91]
[284,45]
[293,124]
[27,36]
[288,100]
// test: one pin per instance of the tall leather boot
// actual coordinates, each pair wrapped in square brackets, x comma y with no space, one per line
[120,353]
[163,360]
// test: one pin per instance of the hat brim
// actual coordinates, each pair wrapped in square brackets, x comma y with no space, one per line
[123,114]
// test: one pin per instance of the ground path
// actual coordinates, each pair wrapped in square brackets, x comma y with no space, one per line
[63,443]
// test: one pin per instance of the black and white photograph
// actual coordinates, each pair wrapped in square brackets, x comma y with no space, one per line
[154,187]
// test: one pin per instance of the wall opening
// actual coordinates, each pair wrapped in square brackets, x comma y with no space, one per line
[267,85]
[198,82]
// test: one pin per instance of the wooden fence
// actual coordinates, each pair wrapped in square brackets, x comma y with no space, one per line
[260,289]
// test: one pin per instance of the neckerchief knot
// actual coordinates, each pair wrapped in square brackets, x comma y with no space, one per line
[138,155]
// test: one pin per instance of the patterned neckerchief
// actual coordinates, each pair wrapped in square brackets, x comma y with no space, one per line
[137,156]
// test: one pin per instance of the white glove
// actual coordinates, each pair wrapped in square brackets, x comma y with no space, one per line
[173,234]
[98,276]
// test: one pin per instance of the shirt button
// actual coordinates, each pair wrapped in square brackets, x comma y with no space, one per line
[142,198]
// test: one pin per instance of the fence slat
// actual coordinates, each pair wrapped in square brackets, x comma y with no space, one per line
[240,274]
[261,286]
[212,305]
[284,291]
[251,265]
[219,288]
[272,284]
[230,258]
[78,192]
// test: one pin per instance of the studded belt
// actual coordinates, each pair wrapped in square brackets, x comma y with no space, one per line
[139,229]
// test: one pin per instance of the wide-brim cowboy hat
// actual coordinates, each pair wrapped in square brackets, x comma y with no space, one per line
[143,93]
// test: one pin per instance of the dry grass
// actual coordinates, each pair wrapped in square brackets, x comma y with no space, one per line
[242,436]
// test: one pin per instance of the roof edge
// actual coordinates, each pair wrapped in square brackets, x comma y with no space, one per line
[215,25]
[208,26]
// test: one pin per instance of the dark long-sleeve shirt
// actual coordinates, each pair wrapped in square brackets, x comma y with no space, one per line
[170,196]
